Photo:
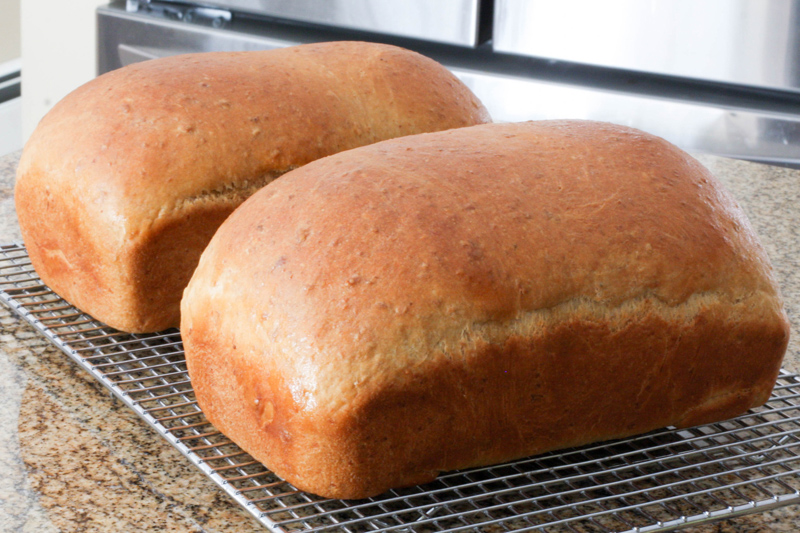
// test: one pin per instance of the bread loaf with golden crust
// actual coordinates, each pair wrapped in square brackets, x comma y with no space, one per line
[468,297]
[126,179]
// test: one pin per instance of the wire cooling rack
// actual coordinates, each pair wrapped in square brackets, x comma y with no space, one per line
[661,481]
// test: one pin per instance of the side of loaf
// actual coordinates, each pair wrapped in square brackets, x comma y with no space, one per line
[468,297]
[126,179]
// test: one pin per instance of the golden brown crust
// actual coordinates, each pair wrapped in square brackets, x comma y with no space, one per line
[466,297]
[132,156]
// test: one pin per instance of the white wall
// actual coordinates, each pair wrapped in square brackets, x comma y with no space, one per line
[11,111]
[9,30]
[58,53]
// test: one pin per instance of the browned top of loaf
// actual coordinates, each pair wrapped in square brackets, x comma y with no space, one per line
[367,262]
[143,140]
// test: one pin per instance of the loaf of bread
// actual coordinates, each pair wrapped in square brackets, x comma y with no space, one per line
[468,297]
[124,181]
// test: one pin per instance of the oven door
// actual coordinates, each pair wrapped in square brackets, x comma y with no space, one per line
[513,87]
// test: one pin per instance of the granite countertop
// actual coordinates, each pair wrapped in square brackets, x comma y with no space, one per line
[74,459]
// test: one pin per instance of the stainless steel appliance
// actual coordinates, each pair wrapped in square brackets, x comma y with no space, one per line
[744,42]
[713,76]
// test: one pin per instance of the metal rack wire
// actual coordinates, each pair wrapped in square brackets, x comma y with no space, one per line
[661,481]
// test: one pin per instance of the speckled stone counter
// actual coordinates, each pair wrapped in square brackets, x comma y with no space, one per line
[73,459]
